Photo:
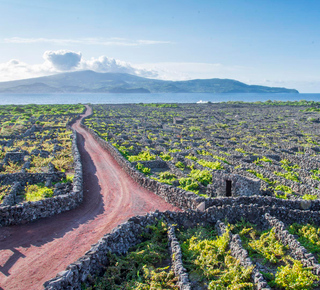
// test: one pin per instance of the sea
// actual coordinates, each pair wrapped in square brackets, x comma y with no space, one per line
[109,98]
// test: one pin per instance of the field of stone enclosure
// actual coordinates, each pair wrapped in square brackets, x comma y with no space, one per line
[36,159]
[225,149]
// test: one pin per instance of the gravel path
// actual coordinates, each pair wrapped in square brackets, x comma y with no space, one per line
[32,253]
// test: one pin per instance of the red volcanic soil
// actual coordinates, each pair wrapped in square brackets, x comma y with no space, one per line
[33,253]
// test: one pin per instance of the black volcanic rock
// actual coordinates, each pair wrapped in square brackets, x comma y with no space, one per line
[92,82]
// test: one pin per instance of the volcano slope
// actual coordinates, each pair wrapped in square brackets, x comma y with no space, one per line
[32,253]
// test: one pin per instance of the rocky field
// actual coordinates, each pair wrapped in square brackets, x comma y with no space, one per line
[224,149]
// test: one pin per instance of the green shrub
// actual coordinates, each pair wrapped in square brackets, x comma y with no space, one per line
[4,190]
[240,150]
[284,188]
[191,157]
[207,258]
[268,247]
[263,159]
[36,192]
[143,169]
[180,165]
[142,156]
[69,178]
[166,177]
[288,175]
[189,184]
[310,197]
[165,157]
[308,236]
[174,150]
[202,176]
[295,277]
[212,165]
[259,175]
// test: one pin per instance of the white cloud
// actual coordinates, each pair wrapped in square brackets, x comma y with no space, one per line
[85,41]
[15,70]
[106,64]
[63,60]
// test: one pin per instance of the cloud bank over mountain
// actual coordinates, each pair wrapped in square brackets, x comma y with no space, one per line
[67,61]
[57,61]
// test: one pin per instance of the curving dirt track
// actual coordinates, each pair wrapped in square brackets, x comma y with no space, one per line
[32,253]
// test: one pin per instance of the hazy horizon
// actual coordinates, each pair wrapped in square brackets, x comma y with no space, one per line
[269,43]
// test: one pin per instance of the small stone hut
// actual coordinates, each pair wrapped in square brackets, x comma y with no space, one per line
[227,184]
[178,120]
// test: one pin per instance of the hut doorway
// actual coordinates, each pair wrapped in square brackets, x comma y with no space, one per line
[228,188]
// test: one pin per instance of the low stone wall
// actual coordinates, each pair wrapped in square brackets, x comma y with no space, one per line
[298,251]
[255,214]
[152,164]
[10,198]
[30,178]
[241,254]
[259,200]
[176,260]
[29,211]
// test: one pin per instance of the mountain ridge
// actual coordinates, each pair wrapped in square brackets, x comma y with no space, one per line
[88,81]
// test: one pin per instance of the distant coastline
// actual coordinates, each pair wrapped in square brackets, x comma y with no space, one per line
[119,83]
[112,98]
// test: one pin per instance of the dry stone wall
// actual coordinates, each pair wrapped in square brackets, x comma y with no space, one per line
[10,198]
[176,257]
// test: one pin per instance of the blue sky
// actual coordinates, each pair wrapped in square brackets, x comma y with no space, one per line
[275,43]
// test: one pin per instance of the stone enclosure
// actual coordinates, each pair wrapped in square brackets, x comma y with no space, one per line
[36,157]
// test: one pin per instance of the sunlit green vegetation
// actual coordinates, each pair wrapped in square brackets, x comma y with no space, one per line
[4,190]
[34,192]
[308,236]
[289,273]
[208,260]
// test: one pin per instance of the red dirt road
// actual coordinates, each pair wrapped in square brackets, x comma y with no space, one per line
[33,253]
